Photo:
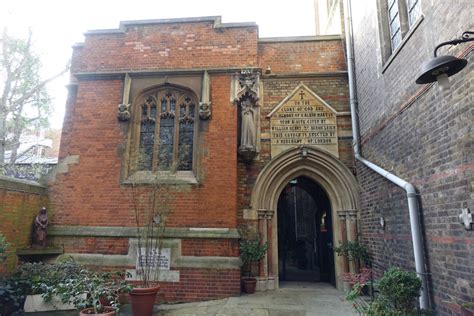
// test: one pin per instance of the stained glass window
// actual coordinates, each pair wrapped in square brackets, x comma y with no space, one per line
[167,130]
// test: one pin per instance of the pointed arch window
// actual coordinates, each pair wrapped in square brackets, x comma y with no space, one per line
[166,129]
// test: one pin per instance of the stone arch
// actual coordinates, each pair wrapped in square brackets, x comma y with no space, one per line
[323,168]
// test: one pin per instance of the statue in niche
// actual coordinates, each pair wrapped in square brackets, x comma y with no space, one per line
[248,135]
[40,228]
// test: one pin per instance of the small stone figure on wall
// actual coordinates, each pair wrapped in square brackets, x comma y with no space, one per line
[248,134]
[40,228]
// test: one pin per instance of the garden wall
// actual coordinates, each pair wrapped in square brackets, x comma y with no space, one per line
[19,203]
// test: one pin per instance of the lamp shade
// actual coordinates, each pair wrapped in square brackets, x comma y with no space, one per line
[448,65]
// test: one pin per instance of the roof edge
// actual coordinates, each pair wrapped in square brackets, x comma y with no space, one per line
[217,20]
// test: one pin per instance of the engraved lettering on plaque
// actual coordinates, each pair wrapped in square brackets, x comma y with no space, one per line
[303,118]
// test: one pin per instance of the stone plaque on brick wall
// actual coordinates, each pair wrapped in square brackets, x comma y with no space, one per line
[303,118]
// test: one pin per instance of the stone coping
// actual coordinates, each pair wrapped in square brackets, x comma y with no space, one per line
[39,251]
[118,231]
[13,184]
[291,39]
[217,21]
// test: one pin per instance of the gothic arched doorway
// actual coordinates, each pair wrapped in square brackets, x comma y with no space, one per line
[305,233]
[324,172]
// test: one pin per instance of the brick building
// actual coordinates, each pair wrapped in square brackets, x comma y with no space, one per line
[422,135]
[232,127]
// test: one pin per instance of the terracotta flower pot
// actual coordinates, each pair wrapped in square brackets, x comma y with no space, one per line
[108,311]
[143,300]
[249,285]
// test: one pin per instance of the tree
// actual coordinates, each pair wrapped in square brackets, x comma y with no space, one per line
[24,101]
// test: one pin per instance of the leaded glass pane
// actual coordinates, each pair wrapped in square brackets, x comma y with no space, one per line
[394,23]
[147,139]
[191,110]
[163,105]
[185,150]
[414,10]
[172,105]
[165,157]
[153,111]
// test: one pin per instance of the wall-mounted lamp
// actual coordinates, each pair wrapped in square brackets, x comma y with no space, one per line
[441,67]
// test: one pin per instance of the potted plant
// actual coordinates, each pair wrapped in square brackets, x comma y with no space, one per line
[151,210]
[92,293]
[353,251]
[251,251]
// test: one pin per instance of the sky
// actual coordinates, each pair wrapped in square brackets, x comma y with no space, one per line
[57,25]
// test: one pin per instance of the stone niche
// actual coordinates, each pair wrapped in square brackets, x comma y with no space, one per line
[303,118]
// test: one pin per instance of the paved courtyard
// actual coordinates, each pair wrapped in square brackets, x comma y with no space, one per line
[298,299]
[293,298]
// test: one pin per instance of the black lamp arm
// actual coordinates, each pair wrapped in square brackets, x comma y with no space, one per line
[466,37]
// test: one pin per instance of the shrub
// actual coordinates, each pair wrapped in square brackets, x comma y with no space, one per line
[3,247]
[400,288]
[352,250]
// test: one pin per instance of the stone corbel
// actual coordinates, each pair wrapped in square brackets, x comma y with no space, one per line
[123,113]
[205,104]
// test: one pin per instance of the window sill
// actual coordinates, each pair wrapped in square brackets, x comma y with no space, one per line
[404,41]
[162,177]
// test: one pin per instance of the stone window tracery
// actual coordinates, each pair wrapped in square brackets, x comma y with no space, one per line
[166,129]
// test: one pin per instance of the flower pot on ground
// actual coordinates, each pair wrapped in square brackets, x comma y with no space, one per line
[250,284]
[143,300]
[107,311]
[251,252]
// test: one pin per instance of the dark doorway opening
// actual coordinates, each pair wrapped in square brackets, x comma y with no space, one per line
[305,233]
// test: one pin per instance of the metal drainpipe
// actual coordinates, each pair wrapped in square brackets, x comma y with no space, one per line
[413,207]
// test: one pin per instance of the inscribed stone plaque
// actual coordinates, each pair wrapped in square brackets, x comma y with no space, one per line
[303,119]
[154,258]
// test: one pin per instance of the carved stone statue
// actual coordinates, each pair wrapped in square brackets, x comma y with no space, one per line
[40,228]
[248,131]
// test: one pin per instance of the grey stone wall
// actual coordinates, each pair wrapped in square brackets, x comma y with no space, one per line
[424,137]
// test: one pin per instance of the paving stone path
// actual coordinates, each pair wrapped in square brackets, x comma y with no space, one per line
[292,299]
[298,299]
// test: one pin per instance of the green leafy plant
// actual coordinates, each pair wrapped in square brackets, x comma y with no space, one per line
[398,290]
[3,248]
[359,281]
[89,289]
[352,250]
[251,251]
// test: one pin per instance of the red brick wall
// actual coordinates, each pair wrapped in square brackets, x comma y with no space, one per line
[202,284]
[19,205]
[168,46]
[210,247]
[298,56]
[90,193]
